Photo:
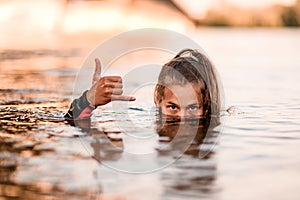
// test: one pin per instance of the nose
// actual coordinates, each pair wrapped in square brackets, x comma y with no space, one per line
[184,113]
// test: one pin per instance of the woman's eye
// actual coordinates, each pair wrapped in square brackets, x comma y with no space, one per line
[193,107]
[172,107]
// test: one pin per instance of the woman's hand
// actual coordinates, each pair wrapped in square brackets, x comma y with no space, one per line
[105,89]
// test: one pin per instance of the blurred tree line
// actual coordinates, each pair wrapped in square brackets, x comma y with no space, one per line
[290,15]
[274,16]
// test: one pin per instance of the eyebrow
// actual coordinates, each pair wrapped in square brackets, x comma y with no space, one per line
[195,104]
[170,102]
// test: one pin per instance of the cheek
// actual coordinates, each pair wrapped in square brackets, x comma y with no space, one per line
[200,111]
[163,109]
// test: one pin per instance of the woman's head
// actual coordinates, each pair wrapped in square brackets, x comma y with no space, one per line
[188,86]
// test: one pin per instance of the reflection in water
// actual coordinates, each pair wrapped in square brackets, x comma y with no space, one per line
[185,135]
[194,173]
[186,171]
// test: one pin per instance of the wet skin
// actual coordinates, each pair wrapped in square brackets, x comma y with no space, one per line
[182,101]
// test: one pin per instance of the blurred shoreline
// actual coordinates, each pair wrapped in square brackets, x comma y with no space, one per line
[80,25]
[274,16]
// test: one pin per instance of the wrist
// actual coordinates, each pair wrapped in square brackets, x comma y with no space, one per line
[89,98]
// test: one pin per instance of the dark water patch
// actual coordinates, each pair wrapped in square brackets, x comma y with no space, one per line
[21,54]
[49,94]
[26,134]
[195,184]
[17,101]
[24,91]
[42,191]
[136,109]
[7,160]
[24,121]
[16,121]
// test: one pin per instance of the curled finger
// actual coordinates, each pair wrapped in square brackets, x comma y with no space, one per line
[117,91]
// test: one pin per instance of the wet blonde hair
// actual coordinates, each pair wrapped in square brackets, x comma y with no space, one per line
[191,66]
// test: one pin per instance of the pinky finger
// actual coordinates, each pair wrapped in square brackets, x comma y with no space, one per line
[122,98]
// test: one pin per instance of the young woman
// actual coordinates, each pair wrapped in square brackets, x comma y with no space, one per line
[187,87]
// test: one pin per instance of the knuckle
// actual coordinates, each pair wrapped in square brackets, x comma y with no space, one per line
[119,91]
[101,81]
[119,79]
[105,81]
[108,98]
[102,85]
[107,90]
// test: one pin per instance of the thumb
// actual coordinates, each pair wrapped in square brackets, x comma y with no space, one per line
[97,72]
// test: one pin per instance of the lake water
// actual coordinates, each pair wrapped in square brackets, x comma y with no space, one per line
[253,154]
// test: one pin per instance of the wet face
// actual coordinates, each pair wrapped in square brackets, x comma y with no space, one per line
[182,101]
